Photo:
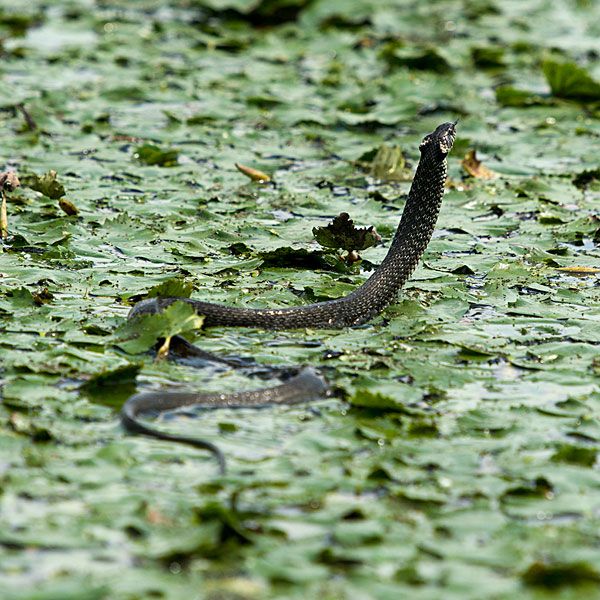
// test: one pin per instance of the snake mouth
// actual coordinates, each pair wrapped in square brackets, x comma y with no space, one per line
[442,140]
[446,136]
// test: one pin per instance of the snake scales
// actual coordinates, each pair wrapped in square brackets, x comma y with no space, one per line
[410,241]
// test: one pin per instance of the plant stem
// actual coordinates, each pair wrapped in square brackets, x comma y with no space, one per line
[3,217]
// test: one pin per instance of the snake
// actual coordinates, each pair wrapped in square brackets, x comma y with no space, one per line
[410,241]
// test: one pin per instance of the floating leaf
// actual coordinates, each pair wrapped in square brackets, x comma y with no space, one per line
[428,58]
[140,334]
[118,376]
[389,164]
[110,387]
[556,575]
[488,56]
[68,207]
[575,455]
[583,179]
[21,298]
[253,174]
[341,233]
[568,80]
[46,184]
[364,398]
[149,154]
[295,258]
[579,270]
[507,95]
[176,287]
[475,168]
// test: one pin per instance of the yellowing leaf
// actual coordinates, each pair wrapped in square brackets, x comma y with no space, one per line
[579,270]
[389,164]
[475,168]
[253,174]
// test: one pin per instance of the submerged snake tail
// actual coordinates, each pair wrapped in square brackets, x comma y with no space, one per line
[305,386]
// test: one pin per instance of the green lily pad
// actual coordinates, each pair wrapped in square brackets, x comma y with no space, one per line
[568,80]
[150,154]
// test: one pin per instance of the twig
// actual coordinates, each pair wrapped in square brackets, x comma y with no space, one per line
[29,120]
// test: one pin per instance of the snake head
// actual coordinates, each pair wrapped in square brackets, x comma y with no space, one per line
[439,141]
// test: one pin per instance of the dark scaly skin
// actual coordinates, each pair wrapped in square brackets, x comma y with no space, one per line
[305,386]
[410,241]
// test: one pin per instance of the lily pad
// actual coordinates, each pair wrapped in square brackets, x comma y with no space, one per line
[568,80]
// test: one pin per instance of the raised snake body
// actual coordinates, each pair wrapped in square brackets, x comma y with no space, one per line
[410,241]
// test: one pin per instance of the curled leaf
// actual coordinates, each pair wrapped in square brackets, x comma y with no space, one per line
[68,207]
[389,164]
[9,181]
[475,168]
[341,233]
[46,184]
[253,174]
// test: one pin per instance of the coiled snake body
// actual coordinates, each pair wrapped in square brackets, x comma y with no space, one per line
[410,241]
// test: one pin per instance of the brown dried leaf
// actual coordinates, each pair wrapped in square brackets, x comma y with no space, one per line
[253,174]
[9,181]
[475,168]
[68,207]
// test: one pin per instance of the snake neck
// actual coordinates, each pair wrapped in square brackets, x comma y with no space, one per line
[418,220]
[381,289]
[410,241]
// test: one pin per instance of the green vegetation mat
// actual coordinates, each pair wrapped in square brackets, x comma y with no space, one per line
[459,458]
